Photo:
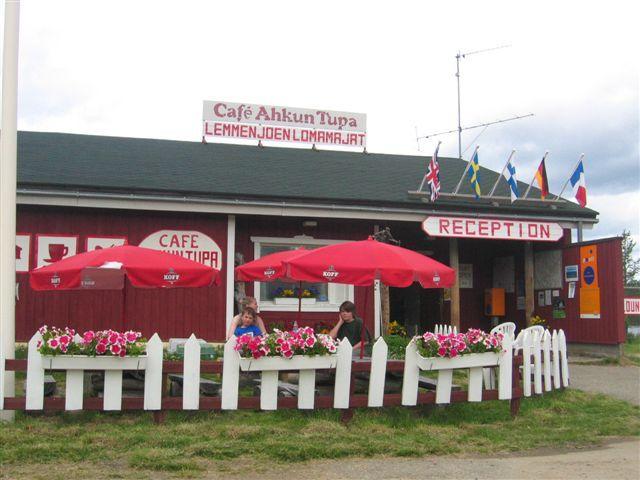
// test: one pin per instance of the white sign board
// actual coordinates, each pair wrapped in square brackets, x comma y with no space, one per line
[23,252]
[492,228]
[547,267]
[284,124]
[189,244]
[98,243]
[465,275]
[504,275]
[53,248]
[632,306]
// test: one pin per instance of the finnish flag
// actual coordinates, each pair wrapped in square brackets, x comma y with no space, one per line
[510,174]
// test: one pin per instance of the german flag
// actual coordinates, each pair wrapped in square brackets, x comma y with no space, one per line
[541,178]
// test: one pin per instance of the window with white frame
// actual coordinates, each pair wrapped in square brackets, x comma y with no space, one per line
[282,296]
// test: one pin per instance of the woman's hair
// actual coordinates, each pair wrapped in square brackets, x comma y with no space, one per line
[246,301]
[348,307]
[249,311]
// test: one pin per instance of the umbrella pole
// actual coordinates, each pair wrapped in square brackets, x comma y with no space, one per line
[299,303]
[366,295]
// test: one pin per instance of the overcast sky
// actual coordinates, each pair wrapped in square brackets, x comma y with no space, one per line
[143,69]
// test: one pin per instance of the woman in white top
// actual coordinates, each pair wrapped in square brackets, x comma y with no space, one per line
[250,302]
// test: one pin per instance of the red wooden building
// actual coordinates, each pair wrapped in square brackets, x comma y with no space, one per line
[222,204]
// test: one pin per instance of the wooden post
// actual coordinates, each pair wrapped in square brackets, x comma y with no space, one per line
[385,308]
[455,289]
[528,282]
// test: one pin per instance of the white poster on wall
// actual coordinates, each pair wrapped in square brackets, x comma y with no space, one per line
[465,275]
[189,244]
[23,252]
[98,243]
[53,248]
[504,273]
[547,270]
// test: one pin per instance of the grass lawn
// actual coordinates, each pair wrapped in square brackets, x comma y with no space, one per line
[130,445]
[632,349]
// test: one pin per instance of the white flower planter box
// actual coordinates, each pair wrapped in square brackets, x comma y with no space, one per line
[297,362]
[470,360]
[293,301]
[85,362]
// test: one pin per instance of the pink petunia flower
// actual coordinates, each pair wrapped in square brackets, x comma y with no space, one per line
[101,348]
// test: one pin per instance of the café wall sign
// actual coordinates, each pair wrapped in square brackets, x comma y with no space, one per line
[51,248]
[492,228]
[189,244]
[284,124]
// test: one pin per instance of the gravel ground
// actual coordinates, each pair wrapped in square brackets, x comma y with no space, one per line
[618,382]
[616,460]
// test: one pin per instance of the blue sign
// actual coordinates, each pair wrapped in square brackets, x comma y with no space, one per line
[589,275]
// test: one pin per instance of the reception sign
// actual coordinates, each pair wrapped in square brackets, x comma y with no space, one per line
[492,228]
[589,289]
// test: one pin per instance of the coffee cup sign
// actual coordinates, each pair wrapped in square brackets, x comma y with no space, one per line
[53,248]
[189,244]
[57,251]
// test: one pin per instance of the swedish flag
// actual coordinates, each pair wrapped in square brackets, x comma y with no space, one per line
[474,168]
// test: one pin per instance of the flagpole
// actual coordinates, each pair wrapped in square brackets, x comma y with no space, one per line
[501,173]
[558,198]
[534,175]
[465,170]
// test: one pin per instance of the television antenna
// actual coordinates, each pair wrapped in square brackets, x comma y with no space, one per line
[460,56]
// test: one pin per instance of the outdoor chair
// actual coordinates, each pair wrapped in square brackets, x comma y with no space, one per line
[489,373]
[534,330]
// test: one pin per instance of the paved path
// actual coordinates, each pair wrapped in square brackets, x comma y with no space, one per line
[619,382]
[617,460]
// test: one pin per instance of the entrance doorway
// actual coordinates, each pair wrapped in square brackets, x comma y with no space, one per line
[416,308]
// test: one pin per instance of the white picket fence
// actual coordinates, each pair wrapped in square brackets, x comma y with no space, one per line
[544,355]
[443,329]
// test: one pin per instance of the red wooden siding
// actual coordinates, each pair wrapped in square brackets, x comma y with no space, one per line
[610,327]
[179,312]
[170,312]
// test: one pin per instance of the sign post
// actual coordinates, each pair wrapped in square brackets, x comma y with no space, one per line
[8,178]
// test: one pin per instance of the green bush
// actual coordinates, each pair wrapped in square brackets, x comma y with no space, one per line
[397,345]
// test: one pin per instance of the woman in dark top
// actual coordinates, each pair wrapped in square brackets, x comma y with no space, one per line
[349,326]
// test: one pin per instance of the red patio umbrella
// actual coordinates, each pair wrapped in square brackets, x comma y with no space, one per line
[270,268]
[145,267]
[361,263]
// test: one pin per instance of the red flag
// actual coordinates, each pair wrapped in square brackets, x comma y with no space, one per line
[541,178]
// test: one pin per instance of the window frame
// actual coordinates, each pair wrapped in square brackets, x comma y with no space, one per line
[337,292]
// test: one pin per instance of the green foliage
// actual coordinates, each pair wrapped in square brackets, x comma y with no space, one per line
[630,267]
[397,346]
[99,444]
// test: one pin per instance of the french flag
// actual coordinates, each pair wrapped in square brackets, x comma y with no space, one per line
[579,185]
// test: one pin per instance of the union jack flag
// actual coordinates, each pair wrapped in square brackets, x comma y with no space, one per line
[433,175]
